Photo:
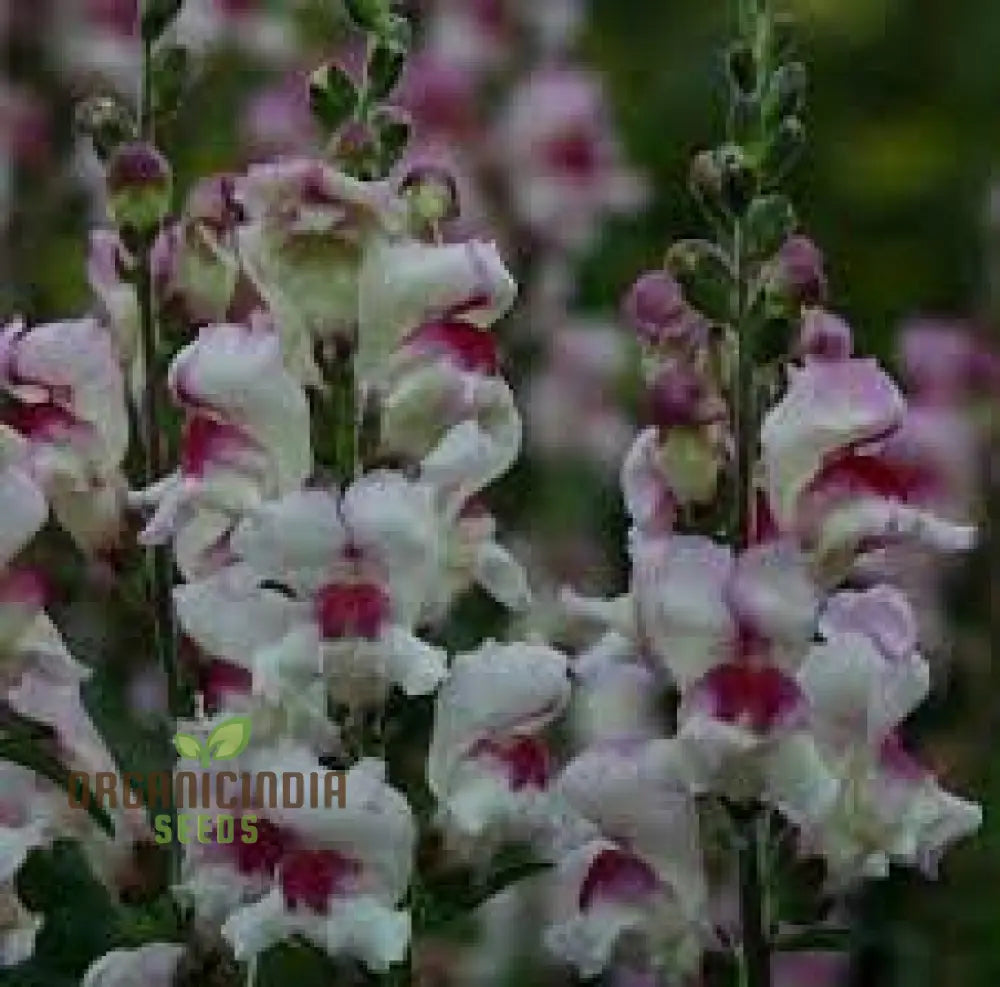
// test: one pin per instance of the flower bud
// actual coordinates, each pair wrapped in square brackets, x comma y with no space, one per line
[824,336]
[739,183]
[106,122]
[432,193]
[139,186]
[680,396]
[705,176]
[799,271]
[724,178]
[654,306]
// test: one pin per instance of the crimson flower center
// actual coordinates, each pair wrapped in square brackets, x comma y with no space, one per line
[312,877]
[525,760]
[618,875]
[352,610]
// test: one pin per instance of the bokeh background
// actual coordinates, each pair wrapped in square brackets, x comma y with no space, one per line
[899,185]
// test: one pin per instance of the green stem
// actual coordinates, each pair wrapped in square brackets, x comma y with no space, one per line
[744,420]
[344,402]
[159,565]
[754,25]
[755,947]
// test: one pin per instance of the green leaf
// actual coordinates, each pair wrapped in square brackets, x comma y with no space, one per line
[370,15]
[157,15]
[229,738]
[703,271]
[333,97]
[770,220]
[81,921]
[393,136]
[446,897]
[819,939]
[170,78]
[188,746]
[385,66]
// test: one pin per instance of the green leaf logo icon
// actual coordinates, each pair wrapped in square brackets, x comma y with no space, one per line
[229,739]
[188,746]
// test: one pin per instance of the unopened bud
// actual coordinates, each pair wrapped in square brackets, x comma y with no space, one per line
[139,186]
[432,193]
[724,178]
[106,122]
[681,396]
[825,336]
[800,271]
[739,183]
[654,306]
[705,176]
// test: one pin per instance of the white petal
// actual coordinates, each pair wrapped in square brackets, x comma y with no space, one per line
[230,617]
[681,584]
[365,929]
[497,690]
[406,284]
[854,689]
[253,929]
[152,965]
[417,667]
[297,539]
[22,507]
[502,576]
[829,405]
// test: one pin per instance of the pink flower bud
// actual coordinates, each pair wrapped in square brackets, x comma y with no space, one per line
[139,186]
[680,396]
[825,336]
[801,271]
[655,308]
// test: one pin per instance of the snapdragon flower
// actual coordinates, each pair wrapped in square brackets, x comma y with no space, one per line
[66,397]
[326,587]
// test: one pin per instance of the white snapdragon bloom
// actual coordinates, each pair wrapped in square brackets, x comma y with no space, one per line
[66,397]
[888,809]
[693,604]
[489,765]
[446,406]
[333,877]
[835,475]
[326,587]
[640,870]
[246,440]
[405,285]
[309,229]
